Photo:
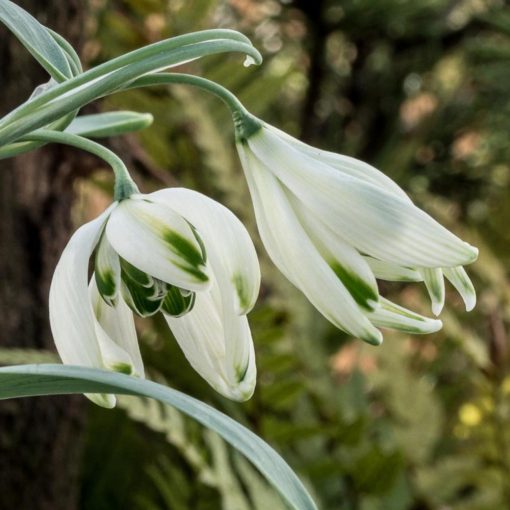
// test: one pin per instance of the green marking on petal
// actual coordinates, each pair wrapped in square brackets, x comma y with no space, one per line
[388,305]
[372,339]
[390,315]
[135,275]
[123,368]
[184,248]
[363,294]
[197,273]
[178,302]
[241,373]
[107,286]
[106,271]
[199,241]
[242,290]
[143,299]
[139,302]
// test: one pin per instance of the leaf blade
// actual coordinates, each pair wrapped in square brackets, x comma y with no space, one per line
[100,125]
[49,379]
[37,40]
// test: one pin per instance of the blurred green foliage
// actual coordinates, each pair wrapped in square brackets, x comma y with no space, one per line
[420,90]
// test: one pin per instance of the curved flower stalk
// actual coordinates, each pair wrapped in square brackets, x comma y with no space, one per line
[176,252]
[333,225]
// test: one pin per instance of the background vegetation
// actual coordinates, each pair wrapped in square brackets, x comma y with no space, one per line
[418,89]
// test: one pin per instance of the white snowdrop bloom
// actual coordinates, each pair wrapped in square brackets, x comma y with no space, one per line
[333,225]
[176,252]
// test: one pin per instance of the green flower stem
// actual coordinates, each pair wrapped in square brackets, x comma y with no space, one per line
[245,123]
[189,79]
[14,149]
[124,184]
[114,74]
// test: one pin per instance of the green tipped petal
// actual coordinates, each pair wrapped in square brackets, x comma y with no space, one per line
[461,281]
[135,275]
[178,302]
[392,316]
[434,282]
[365,295]
[142,293]
[107,271]
[116,334]
[230,250]
[392,272]
[205,335]
[159,242]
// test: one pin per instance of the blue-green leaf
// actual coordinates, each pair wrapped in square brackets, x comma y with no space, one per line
[36,380]
[37,40]
[109,124]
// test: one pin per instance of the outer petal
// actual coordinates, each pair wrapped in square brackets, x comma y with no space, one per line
[393,316]
[295,255]
[229,247]
[434,281]
[202,336]
[116,333]
[155,239]
[376,222]
[345,261]
[71,315]
[393,272]
[460,280]
[345,164]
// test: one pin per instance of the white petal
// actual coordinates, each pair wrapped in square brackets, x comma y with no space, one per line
[229,247]
[377,223]
[71,315]
[155,239]
[434,282]
[392,272]
[203,338]
[345,261]
[393,316]
[295,255]
[116,333]
[345,164]
[461,281]
[107,270]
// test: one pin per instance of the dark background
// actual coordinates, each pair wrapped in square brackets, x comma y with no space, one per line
[418,89]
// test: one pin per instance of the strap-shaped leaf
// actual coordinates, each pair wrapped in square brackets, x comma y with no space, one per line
[35,380]
[101,125]
[115,75]
[36,39]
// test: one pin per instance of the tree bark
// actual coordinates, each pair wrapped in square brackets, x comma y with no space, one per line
[39,437]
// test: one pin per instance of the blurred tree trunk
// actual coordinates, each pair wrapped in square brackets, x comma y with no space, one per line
[40,437]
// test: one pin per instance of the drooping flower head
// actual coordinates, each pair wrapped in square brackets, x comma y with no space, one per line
[333,225]
[174,251]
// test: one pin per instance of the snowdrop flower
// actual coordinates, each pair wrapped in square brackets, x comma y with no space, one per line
[333,225]
[174,251]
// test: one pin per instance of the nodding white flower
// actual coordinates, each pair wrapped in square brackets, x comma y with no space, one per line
[174,251]
[333,225]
